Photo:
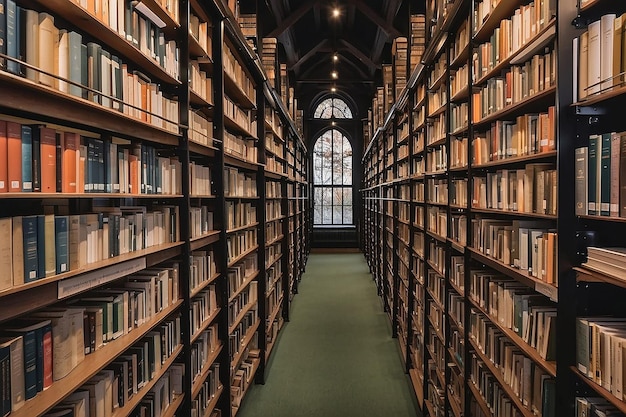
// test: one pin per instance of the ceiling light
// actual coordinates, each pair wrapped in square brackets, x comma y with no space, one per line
[336,12]
[334,74]
[333,123]
[333,89]
[335,57]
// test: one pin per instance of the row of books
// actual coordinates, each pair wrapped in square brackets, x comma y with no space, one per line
[241,147]
[245,300]
[208,390]
[202,306]
[200,181]
[529,134]
[243,118]
[599,56]
[240,214]
[514,306]
[200,128]
[274,146]
[527,245]
[203,268]
[35,158]
[600,351]
[537,395]
[239,184]
[243,376]
[206,343]
[530,190]
[115,385]
[399,52]
[458,231]
[237,337]
[273,189]
[201,32]
[436,129]
[594,407]
[273,230]
[52,342]
[458,152]
[240,242]
[437,160]
[515,85]
[240,272]
[438,221]
[458,192]
[459,116]
[46,245]
[527,21]
[201,221]
[459,80]
[233,68]
[600,180]
[417,39]
[200,82]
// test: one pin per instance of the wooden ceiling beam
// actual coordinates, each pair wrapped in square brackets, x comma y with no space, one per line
[358,54]
[317,48]
[290,20]
[317,15]
[372,15]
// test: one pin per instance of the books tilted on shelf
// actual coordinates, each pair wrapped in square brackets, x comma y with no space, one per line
[610,261]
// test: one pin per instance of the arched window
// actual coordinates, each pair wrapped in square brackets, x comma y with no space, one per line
[332,179]
[333,108]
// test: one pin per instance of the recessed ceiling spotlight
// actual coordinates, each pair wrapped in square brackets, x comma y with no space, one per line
[335,57]
[336,12]
[334,74]
[333,89]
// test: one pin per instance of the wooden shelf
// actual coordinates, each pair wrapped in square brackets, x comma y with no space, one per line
[247,280]
[205,324]
[541,287]
[272,343]
[231,124]
[234,91]
[503,10]
[203,149]
[25,96]
[461,58]
[138,397]
[91,365]
[549,367]
[588,274]
[255,367]
[199,379]
[514,213]
[517,160]
[243,255]
[456,410]
[277,309]
[236,161]
[604,218]
[519,107]
[607,395]
[244,344]
[241,228]
[479,399]
[110,39]
[497,374]
[172,409]
[204,284]
[207,239]
[418,386]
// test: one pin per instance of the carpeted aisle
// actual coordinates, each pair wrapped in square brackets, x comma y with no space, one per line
[336,357]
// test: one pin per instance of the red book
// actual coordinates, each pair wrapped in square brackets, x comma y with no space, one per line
[14,164]
[48,160]
[47,357]
[71,143]
[4,158]
[133,162]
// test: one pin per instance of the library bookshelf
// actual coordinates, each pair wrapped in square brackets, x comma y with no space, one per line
[157,208]
[450,227]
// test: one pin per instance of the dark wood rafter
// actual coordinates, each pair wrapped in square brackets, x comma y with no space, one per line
[375,17]
[290,20]
[317,48]
[317,15]
[286,37]
[379,46]
[358,54]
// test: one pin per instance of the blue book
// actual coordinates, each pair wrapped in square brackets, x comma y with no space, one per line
[3,33]
[12,35]
[33,332]
[90,165]
[108,173]
[61,241]
[31,262]
[100,169]
[5,380]
[41,246]
[27,158]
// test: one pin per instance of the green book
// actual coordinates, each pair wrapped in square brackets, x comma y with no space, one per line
[605,176]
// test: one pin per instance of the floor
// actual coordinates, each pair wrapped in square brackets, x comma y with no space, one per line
[336,357]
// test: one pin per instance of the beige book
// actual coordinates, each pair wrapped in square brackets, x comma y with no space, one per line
[6,253]
[32,44]
[18,251]
[607,38]
[50,251]
[47,35]
[617,49]
[583,66]
[62,62]
[594,72]
[74,242]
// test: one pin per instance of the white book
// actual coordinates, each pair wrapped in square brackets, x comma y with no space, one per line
[32,44]
[607,31]
[594,54]
[63,60]
[106,78]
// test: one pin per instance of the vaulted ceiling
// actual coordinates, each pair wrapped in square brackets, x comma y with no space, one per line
[360,36]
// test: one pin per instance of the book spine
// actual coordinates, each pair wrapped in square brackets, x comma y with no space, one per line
[4,153]
[59,161]
[27,158]
[31,248]
[41,246]
[62,243]
[605,175]
[30,364]
[47,359]
[614,180]
[593,176]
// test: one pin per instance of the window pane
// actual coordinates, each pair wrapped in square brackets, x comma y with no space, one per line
[318,197]
[347,215]
[337,215]
[327,197]
[347,196]
[327,215]
[334,107]
[317,214]
[337,196]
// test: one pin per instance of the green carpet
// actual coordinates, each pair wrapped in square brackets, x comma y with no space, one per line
[336,357]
